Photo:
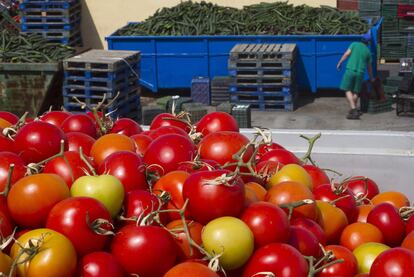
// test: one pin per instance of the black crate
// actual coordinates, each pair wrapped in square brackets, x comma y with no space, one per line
[263,101]
[200,90]
[405,103]
[243,115]
[150,112]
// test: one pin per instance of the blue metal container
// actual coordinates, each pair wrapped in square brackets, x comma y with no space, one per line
[171,62]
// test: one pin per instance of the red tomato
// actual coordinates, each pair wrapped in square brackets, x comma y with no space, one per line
[37,141]
[172,183]
[393,262]
[6,144]
[318,176]
[346,203]
[268,222]
[6,224]
[110,143]
[138,204]
[167,130]
[194,229]
[70,169]
[141,143]
[281,259]
[200,165]
[264,148]
[358,186]
[221,146]
[409,227]
[55,117]
[288,192]
[6,159]
[190,269]
[387,218]
[166,119]
[10,117]
[76,140]
[347,268]
[169,151]
[304,241]
[126,126]
[31,198]
[100,264]
[77,219]
[311,226]
[128,167]
[280,155]
[215,122]
[154,246]
[80,123]
[210,198]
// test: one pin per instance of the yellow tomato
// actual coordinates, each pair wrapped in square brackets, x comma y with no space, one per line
[54,254]
[291,172]
[366,254]
[5,264]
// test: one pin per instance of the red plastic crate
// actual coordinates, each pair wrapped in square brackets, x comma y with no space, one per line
[405,11]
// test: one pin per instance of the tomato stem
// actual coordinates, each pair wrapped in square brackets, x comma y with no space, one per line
[293,205]
[6,241]
[34,168]
[6,190]
[10,131]
[85,160]
[307,157]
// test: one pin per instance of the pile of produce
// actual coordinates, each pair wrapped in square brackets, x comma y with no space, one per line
[84,195]
[279,18]
[30,48]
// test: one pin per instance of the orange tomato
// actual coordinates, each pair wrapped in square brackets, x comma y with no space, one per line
[359,233]
[332,220]
[408,242]
[4,123]
[254,192]
[190,269]
[288,192]
[110,143]
[5,264]
[363,211]
[181,239]
[395,198]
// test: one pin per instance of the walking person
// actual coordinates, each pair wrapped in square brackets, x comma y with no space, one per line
[359,59]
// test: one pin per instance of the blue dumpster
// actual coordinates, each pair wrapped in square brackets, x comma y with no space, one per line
[170,62]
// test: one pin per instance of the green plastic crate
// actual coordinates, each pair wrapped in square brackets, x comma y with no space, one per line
[195,110]
[376,106]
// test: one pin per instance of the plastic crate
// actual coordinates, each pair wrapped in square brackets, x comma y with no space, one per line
[243,115]
[196,111]
[200,90]
[405,103]
[150,112]
[225,107]
[220,90]
[369,5]
[377,106]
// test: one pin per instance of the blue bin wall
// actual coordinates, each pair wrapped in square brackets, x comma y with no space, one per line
[169,62]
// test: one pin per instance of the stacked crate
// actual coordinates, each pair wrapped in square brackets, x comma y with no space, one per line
[56,20]
[263,75]
[96,74]
[200,90]
[394,43]
[369,8]
[220,90]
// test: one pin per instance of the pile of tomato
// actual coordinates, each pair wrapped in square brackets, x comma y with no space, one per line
[84,195]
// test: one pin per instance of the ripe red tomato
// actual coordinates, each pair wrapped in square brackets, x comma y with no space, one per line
[188,269]
[200,165]
[76,140]
[100,264]
[10,117]
[140,203]
[387,218]
[268,222]
[359,233]
[6,159]
[195,229]
[154,246]
[288,192]
[77,219]
[166,119]
[409,226]
[347,268]
[128,167]
[173,183]
[108,144]
[31,198]
[80,123]
[221,146]
[311,226]
[70,169]
[358,186]
[264,148]
[280,155]
[169,151]
[55,117]
[304,241]
[37,141]
[210,198]
[346,203]
[166,130]
[215,122]
[281,259]
[318,176]
[393,262]
[6,224]
[141,143]
[126,126]
[6,144]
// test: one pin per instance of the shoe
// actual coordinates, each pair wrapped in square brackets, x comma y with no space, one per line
[353,114]
[358,110]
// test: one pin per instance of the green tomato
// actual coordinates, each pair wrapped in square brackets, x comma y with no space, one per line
[366,254]
[291,172]
[105,188]
[230,237]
